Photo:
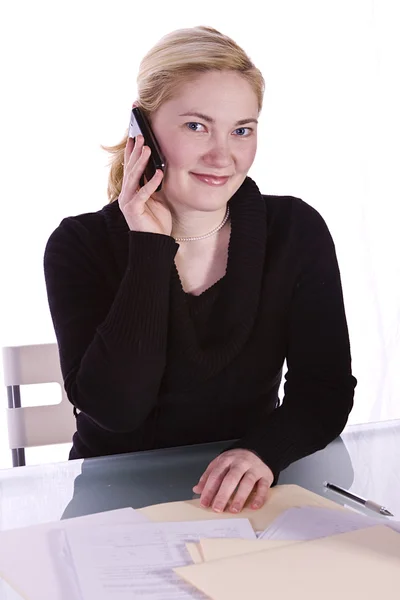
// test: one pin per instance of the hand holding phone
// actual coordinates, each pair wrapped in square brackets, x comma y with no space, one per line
[139,125]
[140,207]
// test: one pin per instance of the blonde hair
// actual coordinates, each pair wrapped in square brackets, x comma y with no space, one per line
[176,59]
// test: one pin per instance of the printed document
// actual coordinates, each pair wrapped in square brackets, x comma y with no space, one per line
[137,560]
[311,522]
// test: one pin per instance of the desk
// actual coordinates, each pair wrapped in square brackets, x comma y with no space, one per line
[366,459]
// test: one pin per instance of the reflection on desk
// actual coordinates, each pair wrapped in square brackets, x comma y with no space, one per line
[365,459]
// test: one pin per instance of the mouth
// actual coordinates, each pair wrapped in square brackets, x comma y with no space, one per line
[214,180]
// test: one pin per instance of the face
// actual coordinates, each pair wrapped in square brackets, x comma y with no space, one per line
[208,134]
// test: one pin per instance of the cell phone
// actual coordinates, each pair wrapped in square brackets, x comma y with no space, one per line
[139,124]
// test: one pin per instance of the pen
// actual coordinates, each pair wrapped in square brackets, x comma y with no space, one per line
[368,503]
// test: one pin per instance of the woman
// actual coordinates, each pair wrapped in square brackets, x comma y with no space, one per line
[175,310]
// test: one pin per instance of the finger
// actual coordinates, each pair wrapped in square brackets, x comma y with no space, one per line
[139,195]
[246,486]
[132,151]
[139,157]
[130,143]
[134,169]
[262,492]
[199,487]
[202,481]
[227,487]
[213,483]
[151,186]
[136,148]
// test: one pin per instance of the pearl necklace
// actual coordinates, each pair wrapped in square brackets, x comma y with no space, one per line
[206,235]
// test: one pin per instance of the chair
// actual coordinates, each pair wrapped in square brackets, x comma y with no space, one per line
[35,425]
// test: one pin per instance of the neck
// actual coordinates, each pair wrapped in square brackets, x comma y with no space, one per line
[188,223]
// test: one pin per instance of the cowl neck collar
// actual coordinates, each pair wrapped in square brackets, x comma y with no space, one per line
[235,307]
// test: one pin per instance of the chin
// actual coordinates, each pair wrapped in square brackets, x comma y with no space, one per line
[206,202]
[207,199]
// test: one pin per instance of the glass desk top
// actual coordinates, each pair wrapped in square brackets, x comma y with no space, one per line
[365,459]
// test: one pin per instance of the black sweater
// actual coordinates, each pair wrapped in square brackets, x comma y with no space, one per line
[149,366]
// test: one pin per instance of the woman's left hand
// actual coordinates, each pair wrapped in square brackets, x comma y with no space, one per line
[237,468]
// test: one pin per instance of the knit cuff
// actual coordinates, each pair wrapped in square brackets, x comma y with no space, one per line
[139,314]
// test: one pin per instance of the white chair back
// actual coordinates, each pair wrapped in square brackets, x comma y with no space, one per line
[36,425]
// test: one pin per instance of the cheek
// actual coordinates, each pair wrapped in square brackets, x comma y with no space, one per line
[247,157]
[178,154]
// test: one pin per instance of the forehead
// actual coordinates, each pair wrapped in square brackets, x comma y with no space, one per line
[215,93]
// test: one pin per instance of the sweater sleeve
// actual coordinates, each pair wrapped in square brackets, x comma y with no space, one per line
[112,345]
[319,386]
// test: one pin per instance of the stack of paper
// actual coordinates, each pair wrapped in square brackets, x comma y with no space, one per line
[309,523]
[360,564]
[180,551]
[280,499]
[294,525]
[137,561]
[26,561]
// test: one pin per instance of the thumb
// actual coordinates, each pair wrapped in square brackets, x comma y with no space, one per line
[198,488]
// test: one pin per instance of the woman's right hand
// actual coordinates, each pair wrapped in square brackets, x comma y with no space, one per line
[141,210]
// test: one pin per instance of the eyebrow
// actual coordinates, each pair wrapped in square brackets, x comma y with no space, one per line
[211,120]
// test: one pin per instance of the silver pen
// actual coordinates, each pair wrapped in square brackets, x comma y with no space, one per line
[368,503]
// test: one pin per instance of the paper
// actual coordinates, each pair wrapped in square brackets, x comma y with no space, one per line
[138,560]
[26,572]
[216,549]
[308,523]
[195,552]
[359,564]
[26,560]
[295,524]
[280,499]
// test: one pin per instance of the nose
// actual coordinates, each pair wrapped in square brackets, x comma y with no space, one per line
[218,154]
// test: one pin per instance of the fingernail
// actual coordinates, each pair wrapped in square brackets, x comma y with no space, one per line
[255,505]
[234,509]
[217,508]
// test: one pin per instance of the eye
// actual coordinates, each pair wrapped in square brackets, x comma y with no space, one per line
[193,126]
[243,131]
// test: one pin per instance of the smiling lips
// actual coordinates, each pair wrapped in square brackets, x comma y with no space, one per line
[214,180]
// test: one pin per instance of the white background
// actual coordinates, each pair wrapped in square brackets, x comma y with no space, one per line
[329,133]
